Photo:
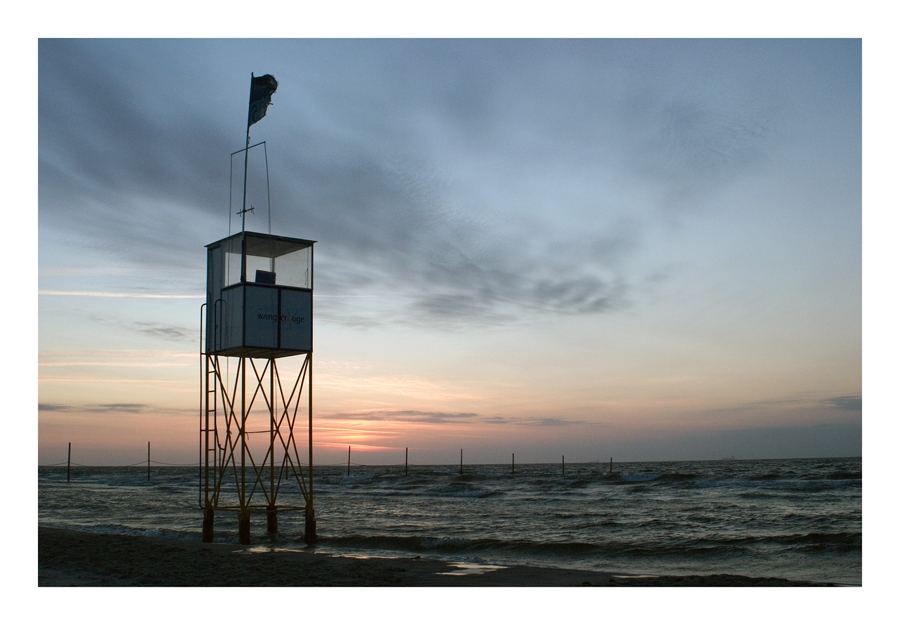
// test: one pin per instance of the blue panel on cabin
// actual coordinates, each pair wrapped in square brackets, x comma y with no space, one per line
[296,320]
[262,317]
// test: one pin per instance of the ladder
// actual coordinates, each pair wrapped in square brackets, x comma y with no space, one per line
[209,435]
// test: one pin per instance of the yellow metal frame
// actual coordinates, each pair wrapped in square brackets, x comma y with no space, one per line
[228,420]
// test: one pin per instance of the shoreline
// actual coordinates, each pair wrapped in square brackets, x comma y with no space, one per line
[75,558]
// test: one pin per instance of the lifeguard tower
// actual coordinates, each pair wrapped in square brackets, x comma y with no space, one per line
[258,313]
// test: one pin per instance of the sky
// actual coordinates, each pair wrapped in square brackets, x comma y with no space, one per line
[631,249]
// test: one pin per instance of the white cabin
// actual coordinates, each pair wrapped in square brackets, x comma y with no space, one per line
[259,296]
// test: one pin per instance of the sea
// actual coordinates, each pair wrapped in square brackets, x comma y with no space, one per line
[799,519]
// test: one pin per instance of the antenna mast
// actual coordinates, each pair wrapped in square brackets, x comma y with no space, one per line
[243,212]
[261,90]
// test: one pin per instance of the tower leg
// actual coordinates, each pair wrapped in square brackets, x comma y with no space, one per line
[244,527]
[209,521]
[271,519]
[310,536]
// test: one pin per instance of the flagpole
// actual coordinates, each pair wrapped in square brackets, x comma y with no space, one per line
[246,153]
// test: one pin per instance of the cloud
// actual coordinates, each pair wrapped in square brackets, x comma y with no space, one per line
[157,330]
[119,140]
[696,144]
[138,129]
[54,408]
[436,417]
[96,408]
[413,416]
[847,402]
[116,358]
[130,408]
[172,333]
[554,422]
[129,295]
[476,181]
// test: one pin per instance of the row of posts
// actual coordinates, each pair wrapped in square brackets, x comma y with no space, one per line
[406,463]
[405,469]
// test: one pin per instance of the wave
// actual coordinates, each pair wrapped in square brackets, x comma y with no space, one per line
[845,475]
[789,516]
[693,548]
[125,530]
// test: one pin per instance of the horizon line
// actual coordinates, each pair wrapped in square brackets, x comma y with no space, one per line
[143,463]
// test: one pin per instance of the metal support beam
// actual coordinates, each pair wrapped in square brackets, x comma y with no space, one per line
[233,475]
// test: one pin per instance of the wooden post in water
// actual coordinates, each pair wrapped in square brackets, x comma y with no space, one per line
[148,461]
[460,461]
[348,459]
[564,465]
[406,464]
[69,463]
[514,464]
[610,466]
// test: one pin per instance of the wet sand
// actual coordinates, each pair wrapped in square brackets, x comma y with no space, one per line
[70,558]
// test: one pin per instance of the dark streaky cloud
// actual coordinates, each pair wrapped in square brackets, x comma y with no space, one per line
[172,333]
[95,408]
[436,417]
[366,143]
[414,416]
[848,402]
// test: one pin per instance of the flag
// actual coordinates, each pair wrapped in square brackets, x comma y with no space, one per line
[261,90]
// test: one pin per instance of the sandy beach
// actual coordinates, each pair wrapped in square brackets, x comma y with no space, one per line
[71,558]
